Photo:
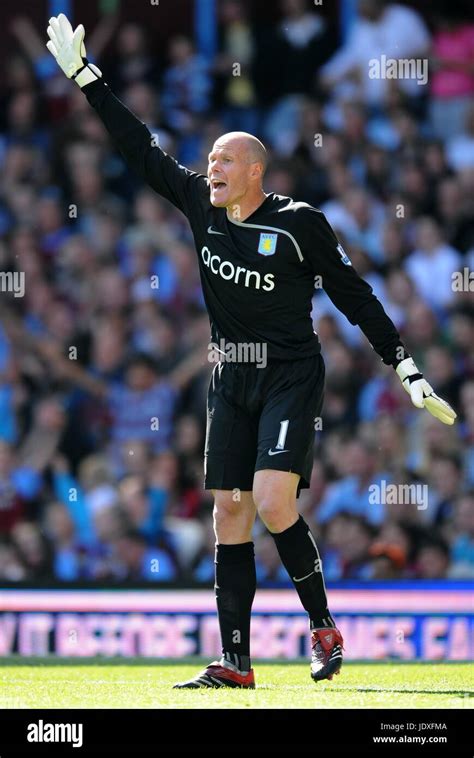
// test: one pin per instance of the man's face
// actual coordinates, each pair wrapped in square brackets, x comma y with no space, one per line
[140,377]
[229,172]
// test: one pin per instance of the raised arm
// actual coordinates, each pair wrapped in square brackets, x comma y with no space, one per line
[182,187]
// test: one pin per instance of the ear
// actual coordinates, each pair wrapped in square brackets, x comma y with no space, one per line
[256,170]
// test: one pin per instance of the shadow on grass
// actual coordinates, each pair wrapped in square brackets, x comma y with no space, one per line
[335,688]
[459,693]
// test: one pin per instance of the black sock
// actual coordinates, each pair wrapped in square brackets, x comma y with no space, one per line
[236,583]
[299,555]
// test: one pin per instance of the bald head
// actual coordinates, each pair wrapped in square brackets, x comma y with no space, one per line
[247,145]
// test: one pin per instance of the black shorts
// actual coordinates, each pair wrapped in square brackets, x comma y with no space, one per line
[262,418]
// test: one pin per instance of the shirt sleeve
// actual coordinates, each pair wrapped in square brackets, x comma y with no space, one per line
[348,291]
[182,187]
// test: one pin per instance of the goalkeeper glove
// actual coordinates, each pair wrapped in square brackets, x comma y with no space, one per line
[67,46]
[421,393]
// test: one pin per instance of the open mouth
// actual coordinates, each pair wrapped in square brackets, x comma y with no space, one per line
[217,184]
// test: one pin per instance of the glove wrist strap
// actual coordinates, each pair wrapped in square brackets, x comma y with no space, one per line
[85,63]
[84,75]
[413,378]
[407,369]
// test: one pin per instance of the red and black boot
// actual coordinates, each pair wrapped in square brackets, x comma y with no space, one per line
[326,657]
[216,675]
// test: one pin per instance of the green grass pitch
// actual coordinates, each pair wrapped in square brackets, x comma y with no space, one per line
[93,683]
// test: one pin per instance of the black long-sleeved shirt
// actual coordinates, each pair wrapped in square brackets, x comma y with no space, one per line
[258,276]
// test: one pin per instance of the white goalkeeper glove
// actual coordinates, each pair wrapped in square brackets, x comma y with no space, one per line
[421,393]
[67,46]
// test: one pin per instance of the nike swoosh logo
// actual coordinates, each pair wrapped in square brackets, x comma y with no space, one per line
[303,577]
[214,231]
[277,452]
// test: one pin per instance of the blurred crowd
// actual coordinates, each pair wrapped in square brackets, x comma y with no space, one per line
[103,358]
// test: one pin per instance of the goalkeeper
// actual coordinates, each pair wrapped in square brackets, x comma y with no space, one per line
[258,258]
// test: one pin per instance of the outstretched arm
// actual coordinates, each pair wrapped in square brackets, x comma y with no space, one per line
[355,298]
[69,370]
[138,146]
